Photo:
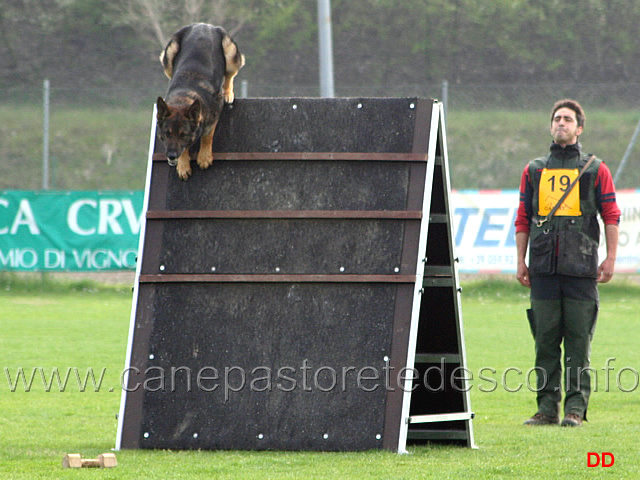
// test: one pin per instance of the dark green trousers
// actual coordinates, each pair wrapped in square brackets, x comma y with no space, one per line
[563,313]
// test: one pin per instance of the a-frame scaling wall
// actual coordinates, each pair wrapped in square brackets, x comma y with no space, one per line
[286,297]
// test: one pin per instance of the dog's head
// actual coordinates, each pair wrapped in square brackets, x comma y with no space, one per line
[178,127]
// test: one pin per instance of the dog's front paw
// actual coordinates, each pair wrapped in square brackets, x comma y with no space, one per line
[184,165]
[184,172]
[205,158]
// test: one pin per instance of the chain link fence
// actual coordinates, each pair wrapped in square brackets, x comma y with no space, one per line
[623,96]
[99,136]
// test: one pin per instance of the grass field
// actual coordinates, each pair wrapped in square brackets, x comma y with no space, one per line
[84,325]
[105,148]
[90,148]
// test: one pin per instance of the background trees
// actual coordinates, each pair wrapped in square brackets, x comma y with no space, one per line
[381,43]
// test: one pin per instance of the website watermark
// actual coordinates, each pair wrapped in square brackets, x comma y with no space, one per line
[305,377]
[52,380]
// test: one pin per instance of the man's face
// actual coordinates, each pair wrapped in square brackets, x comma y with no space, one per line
[564,127]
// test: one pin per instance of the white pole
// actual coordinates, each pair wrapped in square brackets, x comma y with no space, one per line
[445,97]
[325,49]
[45,137]
[244,89]
[627,153]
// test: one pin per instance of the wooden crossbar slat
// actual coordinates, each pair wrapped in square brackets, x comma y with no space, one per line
[285,214]
[278,278]
[318,156]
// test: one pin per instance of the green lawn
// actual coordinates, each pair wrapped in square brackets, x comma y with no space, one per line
[85,326]
[105,147]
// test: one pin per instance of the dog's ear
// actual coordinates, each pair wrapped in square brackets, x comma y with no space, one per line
[163,110]
[193,114]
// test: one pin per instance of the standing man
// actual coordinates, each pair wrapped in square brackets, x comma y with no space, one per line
[563,269]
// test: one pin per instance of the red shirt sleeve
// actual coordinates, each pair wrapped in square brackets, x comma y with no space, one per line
[606,196]
[523,216]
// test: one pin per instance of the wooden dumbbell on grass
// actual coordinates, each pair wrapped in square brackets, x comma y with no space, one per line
[75,460]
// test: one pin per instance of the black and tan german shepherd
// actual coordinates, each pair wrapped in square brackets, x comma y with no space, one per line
[201,61]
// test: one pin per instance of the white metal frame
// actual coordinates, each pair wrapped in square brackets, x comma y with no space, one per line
[417,292]
[437,124]
[134,304]
[461,343]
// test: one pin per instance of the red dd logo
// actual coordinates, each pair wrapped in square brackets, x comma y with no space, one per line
[604,460]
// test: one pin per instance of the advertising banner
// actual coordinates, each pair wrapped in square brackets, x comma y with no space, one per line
[484,231]
[97,231]
[69,231]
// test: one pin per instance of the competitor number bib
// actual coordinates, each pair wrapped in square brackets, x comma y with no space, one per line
[553,183]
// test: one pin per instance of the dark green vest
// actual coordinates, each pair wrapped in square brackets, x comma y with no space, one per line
[566,245]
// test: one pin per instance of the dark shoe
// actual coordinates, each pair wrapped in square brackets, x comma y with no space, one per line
[572,420]
[542,419]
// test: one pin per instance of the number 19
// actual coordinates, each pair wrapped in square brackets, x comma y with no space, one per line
[564,180]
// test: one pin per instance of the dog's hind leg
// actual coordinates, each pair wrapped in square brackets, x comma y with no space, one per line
[227,87]
[205,154]
[167,56]
[169,53]
[184,165]
[234,61]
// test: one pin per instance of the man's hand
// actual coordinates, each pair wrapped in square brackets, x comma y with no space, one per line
[523,275]
[605,270]
[522,240]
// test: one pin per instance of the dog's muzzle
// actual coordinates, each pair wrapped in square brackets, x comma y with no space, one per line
[172,159]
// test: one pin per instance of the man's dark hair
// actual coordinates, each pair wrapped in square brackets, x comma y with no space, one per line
[573,105]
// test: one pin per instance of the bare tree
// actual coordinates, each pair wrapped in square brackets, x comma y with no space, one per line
[159,18]
[147,15]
